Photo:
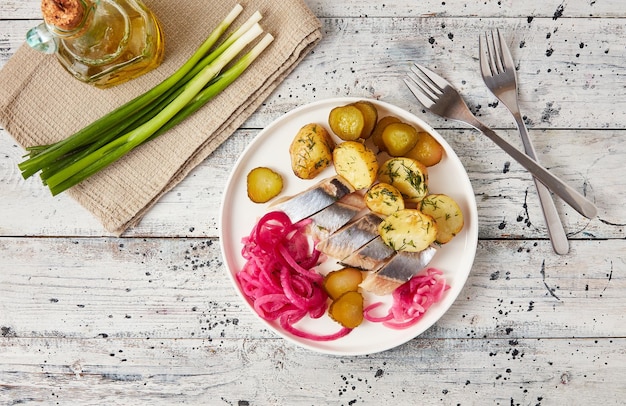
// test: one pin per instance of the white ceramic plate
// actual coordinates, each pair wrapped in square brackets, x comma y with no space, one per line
[271,148]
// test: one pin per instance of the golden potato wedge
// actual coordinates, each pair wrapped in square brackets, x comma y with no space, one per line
[355,163]
[447,215]
[346,122]
[377,134]
[263,184]
[427,150]
[408,230]
[370,117]
[399,138]
[382,198]
[407,175]
[311,151]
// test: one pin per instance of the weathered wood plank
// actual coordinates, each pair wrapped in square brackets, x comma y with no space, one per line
[552,9]
[271,372]
[20,9]
[169,288]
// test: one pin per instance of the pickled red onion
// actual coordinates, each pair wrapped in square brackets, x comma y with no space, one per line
[411,300]
[278,277]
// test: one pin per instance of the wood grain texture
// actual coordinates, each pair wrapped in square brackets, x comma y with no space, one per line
[270,372]
[152,317]
[551,9]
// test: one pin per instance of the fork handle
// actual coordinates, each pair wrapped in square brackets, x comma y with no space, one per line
[560,244]
[576,200]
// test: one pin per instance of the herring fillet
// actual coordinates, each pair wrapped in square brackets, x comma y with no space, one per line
[351,237]
[331,219]
[405,265]
[399,269]
[371,256]
[314,199]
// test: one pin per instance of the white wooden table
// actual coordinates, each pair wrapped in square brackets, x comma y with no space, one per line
[151,318]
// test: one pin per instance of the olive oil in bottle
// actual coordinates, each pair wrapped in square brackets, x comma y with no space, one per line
[101,42]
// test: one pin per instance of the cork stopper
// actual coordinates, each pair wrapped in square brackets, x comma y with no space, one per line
[64,14]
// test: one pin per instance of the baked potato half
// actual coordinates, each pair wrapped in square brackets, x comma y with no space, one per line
[382,198]
[311,151]
[446,213]
[408,230]
[356,163]
[407,175]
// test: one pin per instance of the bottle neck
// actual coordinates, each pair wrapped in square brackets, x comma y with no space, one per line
[68,18]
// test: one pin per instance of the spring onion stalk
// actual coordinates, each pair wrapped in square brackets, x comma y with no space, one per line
[112,151]
[218,84]
[107,137]
[89,134]
[130,124]
[207,73]
[254,18]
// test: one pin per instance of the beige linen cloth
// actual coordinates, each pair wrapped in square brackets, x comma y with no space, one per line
[40,103]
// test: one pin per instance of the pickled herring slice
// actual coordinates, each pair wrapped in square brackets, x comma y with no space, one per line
[400,268]
[371,256]
[331,219]
[351,237]
[314,199]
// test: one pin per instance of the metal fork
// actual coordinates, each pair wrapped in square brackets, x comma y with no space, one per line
[498,71]
[438,96]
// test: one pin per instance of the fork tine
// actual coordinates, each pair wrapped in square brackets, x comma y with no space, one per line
[425,84]
[505,54]
[426,90]
[496,47]
[421,96]
[484,56]
[434,79]
[491,54]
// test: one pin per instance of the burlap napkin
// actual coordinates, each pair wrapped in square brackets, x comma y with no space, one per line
[41,103]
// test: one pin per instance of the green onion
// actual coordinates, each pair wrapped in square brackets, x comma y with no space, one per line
[204,75]
[218,84]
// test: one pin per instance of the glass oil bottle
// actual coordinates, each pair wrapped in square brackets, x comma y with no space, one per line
[100,42]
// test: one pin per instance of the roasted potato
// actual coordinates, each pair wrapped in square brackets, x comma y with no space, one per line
[377,134]
[408,230]
[346,122]
[343,280]
[382,198]
[347,309]
[311,151]
[427,150]
[370,117]
[399,138]
[447,215]
[356,163]
[263,184]
[407,175]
